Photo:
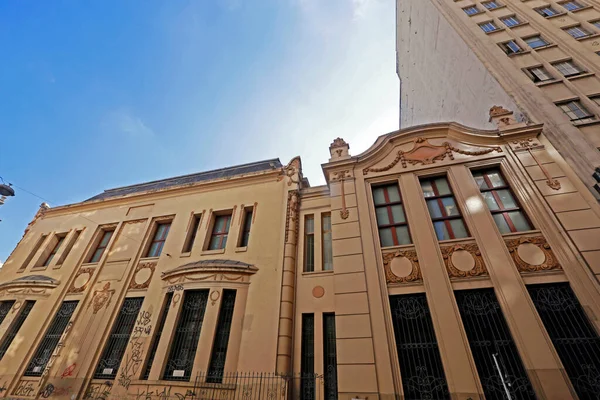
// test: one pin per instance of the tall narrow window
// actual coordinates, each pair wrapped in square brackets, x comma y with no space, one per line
[546,11]
[101,247]
[577,32]
[5,307]
[511,47]
[391,219]
[307,359]
[497,359]
[327,245]
[15,326]
[187,333]
[329,357]
[191,236]
[568,68]
[576,111]
[159,239]
[69,247]
[444,212]
[536,41]
[59,241]
[157,335]
[539,74]
[33,252]
[246,230]
[417,347]
[119,337]
[219,351]
[51,338]
[218,239]
[309,243]
[574,337]
[501,202]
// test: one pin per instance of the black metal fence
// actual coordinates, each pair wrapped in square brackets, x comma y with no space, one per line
[237,385]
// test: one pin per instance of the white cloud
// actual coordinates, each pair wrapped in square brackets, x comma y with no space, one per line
[126,122]
[1,264]
[360,8]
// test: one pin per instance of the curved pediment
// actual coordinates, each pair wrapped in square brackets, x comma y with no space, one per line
[37,281]
[210,267]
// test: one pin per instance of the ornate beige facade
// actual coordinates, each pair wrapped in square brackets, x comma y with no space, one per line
[458,58]
[191,287]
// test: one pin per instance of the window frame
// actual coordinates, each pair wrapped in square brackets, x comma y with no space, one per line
[473,6]
[305,265]
[501,210]
[506,48]
[228,214]
[445,218]
[540,10]
[60,239]
[578,5]
[98,245]
[192,233]
[325,232]
[585,33]
[540,38]
[535,78]
[573,65]
[388,205]
[490,2]
[587,118]
[246,227]
[155,239]
[509,17]
[489,23]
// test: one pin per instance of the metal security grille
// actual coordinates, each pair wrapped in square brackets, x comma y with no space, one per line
[219,352]
[119,338]
[329,357]
[183,350]
[16,325]
[307,359]
[5,307]
[51,338]
[418,353]
[498,363]
[157,334]
[573,336]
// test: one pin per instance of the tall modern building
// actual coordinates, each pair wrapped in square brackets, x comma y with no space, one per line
[541,58]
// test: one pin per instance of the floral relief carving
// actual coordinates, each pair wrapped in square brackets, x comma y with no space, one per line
[472,248]
[550,262]
[294,167]
[411,256]
[101,298]
[207,277]
[293,207]
[82,271]
[528,145]
[425,153]
[141,266]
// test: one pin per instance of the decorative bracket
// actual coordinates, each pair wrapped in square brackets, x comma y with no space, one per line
[528,145]
[339,177]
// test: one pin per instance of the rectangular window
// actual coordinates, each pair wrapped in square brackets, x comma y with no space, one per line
[568,68]
[159,239]
[576,111]
[492,346]
[511,21]
[511,47]
[539,74]
[327,249]
[12,331]
[501,202]
[187,333]
[471,10]
[218,239]
[192,232]
[536,41]
[489,26]
[329,357]
[418,351]
[490,5]
[445,214]
[119,337]
[246,228]
[546,11]
[59,241]
[101,247]
[157,335]
[577,32]
[219,350]
[596,23]
[573,335]
[34,251]
[307,358]
[69,247]
[572,5]
[309,243]
[391,219]
[51,338]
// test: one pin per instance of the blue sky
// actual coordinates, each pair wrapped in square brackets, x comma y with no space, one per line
[99,94]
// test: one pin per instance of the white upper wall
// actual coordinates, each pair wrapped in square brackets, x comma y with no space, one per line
[441,79]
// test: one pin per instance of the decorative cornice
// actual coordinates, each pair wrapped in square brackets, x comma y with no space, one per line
[210,267]
[411,255]
[550,262]
[479,268]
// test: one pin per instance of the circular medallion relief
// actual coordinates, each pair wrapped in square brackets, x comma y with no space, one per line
[531,254]
[142,276]
[463,260]
[318,292]
[82,280]
[401,267]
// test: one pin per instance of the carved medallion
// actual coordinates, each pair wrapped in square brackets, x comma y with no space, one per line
[82,278]
[403,263]
[142,275]
[532,254]
[463,260]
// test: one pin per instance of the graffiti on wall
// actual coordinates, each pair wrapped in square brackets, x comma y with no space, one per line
[135,357]
[98,391]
